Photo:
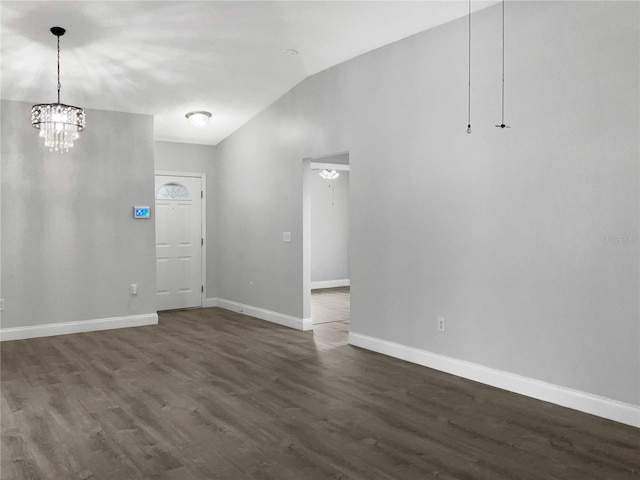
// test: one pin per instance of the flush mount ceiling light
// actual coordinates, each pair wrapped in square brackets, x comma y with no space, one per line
[199,119]
[329,174]
[59,124]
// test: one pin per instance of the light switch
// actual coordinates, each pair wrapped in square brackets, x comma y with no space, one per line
[286,237]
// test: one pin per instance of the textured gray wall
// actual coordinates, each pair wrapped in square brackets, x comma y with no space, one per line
[193,158]
[70,245]
[525,240]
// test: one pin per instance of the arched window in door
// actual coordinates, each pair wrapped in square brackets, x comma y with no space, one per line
[172,191]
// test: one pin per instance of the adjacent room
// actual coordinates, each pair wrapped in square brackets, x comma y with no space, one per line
[328,214]
[320,239]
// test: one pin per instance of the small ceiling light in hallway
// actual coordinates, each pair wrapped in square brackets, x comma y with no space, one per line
[59,124]
[199,118]
[329,174]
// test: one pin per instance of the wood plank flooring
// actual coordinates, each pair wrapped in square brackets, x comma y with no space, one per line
[212,394]
[330,305]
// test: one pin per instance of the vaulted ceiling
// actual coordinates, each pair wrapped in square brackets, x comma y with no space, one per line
[166,58]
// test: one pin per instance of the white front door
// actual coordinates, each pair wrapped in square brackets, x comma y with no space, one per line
[178,241]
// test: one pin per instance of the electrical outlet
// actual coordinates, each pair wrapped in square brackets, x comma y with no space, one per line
[441,324]
[134,289]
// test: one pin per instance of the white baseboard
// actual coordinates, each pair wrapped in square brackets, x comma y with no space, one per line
[268,315]
[345,282]
[210,302]
[48,330]
[566,397]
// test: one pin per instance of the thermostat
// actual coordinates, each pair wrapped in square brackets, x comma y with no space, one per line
[141,212]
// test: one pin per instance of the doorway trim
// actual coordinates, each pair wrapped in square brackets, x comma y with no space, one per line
[203,224]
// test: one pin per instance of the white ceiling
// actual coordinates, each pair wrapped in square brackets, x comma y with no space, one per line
[166,58]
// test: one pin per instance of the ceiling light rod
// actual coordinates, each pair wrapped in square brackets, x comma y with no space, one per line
[469,106]
[59,124]
[502,125]
[58,32]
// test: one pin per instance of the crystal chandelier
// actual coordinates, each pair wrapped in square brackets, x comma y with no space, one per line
[59,124]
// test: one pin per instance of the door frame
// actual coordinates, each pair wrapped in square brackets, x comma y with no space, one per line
[323,161]
[203,224]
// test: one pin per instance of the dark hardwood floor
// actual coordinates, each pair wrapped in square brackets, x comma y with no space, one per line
[211,394]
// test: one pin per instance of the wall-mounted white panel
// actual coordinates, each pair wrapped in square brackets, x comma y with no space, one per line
[163,230]
[184,221]
[163,270]
[185,280]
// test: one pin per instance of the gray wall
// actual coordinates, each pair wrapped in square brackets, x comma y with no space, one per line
[329,227]
[259,199]
[193,158]
[70,245]
[511,235]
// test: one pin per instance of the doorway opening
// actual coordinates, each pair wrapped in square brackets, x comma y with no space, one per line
[327,283]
